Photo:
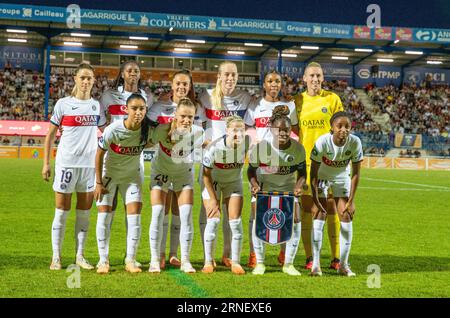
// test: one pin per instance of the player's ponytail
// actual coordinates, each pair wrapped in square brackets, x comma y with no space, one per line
[280,112]
[82,66]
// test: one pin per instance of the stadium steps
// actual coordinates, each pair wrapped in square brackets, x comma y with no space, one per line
[381,119]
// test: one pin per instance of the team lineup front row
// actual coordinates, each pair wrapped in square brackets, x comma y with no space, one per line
[101,168]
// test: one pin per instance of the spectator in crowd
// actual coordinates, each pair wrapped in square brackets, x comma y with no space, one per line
[31,141]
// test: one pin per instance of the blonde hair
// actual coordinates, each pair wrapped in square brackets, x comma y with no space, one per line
[312,64]
[82,66]
[217,93]
[173,125]
[231,119]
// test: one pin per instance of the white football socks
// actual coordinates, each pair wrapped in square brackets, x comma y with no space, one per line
[317,241]
[58,230]
[133,236]
[210,237]
[186,231]
[292,244]
[345,238]
[103,231]
[164,235]
[174,234]
[236,243]
[81,230]
[156,231]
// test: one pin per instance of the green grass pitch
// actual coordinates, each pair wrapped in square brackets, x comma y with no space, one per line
[401,225]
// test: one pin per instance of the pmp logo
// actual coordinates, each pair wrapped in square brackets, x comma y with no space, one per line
[274,219]
[425,35]
[364,73]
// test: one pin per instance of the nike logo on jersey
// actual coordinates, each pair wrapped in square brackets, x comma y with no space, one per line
[132,193]
[73,108]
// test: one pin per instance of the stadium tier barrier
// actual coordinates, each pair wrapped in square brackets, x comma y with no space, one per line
[37,152]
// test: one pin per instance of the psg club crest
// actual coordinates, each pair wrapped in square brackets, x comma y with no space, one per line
[274,217]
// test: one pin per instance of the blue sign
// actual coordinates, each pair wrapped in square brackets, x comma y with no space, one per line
[416,75]
[386,75]
[76,17]
[293,69]
[25,57]
[337,71]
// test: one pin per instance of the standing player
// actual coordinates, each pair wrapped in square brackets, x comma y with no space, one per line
[330,169]
[278,161]
[258,115]
[223,160]
[163,112]
[217,104]
[173,166]
[123,142]
[315,107]
[113,103]
[79,115]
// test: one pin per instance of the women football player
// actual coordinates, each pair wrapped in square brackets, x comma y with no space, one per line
[118,170]
[223,160]
[330,169]
[281,165]
[223,101]
[80,116]
[258,116]
[173,166]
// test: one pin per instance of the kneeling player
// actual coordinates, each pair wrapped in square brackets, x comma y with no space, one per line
[330,168]
[122,142]
[222,174]
[277,161]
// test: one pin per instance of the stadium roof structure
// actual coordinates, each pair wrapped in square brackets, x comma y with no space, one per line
[214,37]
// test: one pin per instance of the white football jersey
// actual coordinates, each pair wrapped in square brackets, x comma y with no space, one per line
[259,113]
[226,162]
[113,102]
[78,143]
[163,112]
[122,159]
[176,158]
[235,104]
[277,168]
[335,160]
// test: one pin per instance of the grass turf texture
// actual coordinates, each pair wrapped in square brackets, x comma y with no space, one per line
[402,226]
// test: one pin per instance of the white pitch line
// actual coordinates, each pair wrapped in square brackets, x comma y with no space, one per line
[408,183]
[404,189]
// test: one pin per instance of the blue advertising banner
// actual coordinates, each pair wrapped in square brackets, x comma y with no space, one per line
[337,71]
[21,56]
[76,16]
[293,69]
[386,75]
[415,75]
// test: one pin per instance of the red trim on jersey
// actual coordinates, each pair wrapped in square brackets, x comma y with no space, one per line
[129,151]
[117,109]
[165,119]
[234,165]
[262,122]
[167,151]
[79,120]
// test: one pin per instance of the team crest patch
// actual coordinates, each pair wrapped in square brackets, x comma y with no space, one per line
[236,103]
[324,110]
[274,219]
[314,151]
[348,152]
[63,186]
[290,158]
[94,108]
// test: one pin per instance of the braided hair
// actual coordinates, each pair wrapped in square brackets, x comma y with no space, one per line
[280,112]
[120,80]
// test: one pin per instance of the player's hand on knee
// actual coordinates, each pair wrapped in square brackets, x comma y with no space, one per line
[46,173]
[213,208]
[255,188]
[100,190]
[349,209]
